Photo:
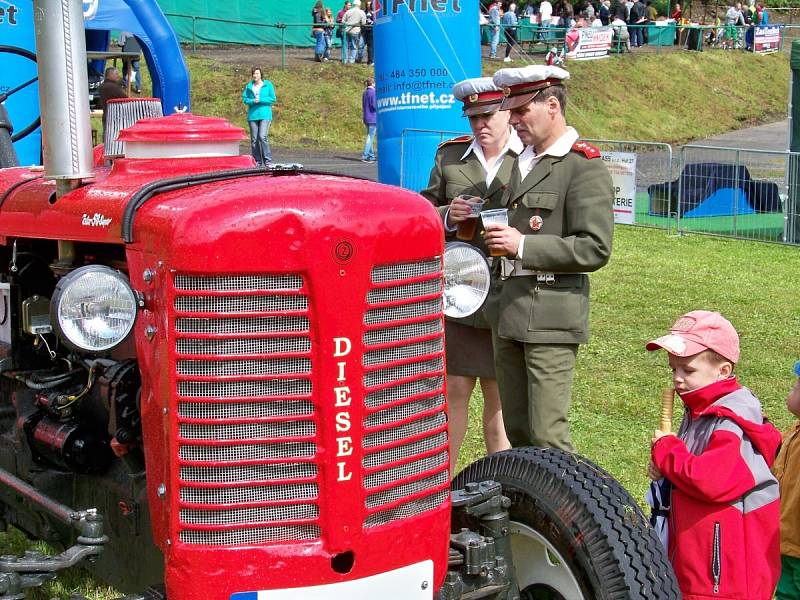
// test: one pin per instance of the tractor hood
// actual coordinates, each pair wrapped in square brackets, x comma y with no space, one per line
[30,208]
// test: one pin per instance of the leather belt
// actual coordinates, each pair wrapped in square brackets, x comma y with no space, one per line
[513,268]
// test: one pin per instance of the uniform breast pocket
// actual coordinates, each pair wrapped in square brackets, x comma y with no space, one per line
[458,188]
[540,200]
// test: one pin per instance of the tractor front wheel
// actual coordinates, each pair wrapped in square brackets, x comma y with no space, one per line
[576,533]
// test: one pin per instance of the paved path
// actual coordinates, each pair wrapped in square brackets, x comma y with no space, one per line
[774,136]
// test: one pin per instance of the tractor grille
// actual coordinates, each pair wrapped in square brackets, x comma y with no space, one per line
[246,419]
[405,426]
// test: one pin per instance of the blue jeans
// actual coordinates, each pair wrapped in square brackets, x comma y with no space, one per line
[495,41]
[637,37]
[319,48]
[136,76]
[544,35]
[259,144]
[353,41]
[369,151]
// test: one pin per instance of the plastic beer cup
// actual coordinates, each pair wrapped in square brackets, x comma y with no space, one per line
[466,229]
[495,215]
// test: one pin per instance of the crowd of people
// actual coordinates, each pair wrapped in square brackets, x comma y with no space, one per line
[352,28]
[629,20]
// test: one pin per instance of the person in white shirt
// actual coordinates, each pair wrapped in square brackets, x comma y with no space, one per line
[545,16]
[353,20]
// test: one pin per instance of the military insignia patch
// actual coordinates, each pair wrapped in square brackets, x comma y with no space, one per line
[473,97]
[464,139]
[684,324]
[536,222]
[587,150]
[506,91]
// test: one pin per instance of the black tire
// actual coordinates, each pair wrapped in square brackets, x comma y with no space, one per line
[593,535]
[33,126]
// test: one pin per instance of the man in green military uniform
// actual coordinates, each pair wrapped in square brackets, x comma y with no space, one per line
[560,224]
[467,170]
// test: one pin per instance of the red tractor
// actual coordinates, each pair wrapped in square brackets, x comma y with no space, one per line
[221,382]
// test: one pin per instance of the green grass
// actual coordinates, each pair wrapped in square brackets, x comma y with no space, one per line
[671,97]
[653,278]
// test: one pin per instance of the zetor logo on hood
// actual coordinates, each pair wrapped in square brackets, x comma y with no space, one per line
[8,13]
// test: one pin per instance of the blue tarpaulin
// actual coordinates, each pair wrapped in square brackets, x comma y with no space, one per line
[714,189]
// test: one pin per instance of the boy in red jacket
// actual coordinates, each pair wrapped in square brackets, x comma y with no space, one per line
[725,514]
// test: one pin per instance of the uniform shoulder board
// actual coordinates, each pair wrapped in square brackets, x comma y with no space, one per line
[464,139]
[586,149]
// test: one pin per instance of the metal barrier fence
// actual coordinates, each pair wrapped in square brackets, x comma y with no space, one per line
[415,164]
[735,192]
[730,192]
[654,166]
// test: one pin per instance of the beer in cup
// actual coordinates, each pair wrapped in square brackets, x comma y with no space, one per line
[466,229]
[495,215]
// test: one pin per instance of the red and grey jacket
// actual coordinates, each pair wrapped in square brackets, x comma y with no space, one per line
[724,523]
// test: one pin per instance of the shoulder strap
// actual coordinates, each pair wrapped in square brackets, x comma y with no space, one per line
[586,149]
[464,139]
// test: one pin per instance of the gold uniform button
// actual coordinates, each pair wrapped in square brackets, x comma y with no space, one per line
[514,205]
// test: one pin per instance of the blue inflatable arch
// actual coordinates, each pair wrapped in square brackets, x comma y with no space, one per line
[160,46]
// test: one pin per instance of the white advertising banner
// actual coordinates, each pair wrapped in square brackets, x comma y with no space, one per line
[588,42]
[767,39]
[622,166]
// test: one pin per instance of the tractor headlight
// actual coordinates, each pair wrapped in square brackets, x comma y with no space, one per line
[93,308]
[466,279]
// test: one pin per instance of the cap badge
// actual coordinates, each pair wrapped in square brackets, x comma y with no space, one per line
[536,222]
[683,324]
[506,91]
[473,97]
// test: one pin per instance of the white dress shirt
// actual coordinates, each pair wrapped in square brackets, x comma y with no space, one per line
[514,144]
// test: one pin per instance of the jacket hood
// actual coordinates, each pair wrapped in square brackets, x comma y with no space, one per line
[744,408]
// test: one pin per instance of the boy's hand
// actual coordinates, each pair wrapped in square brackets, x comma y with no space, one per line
[657,435]
[653,472]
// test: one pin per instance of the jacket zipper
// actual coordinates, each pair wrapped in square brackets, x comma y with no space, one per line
[716,559]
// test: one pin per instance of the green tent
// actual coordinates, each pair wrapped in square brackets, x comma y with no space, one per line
[242,21]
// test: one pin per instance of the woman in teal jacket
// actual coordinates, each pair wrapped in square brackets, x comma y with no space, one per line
[259,96]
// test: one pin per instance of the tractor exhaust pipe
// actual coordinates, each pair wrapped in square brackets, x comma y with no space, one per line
[63,92]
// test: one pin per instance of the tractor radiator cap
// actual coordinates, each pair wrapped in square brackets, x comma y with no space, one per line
[181,135]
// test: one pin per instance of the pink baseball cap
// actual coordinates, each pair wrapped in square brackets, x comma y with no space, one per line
[697,331]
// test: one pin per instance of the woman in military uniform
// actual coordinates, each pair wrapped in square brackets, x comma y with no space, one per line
[468,169]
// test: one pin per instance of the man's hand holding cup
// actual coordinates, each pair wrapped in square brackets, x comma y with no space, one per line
[501,239]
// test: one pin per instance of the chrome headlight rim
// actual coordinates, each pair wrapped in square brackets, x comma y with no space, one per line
[60,294]
[480,264]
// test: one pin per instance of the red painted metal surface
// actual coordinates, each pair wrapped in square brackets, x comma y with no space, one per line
[92,213]
[331,231]
[182,127]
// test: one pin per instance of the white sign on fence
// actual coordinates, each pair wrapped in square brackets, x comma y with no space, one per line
[622,166]
[588,42]
[767,39]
